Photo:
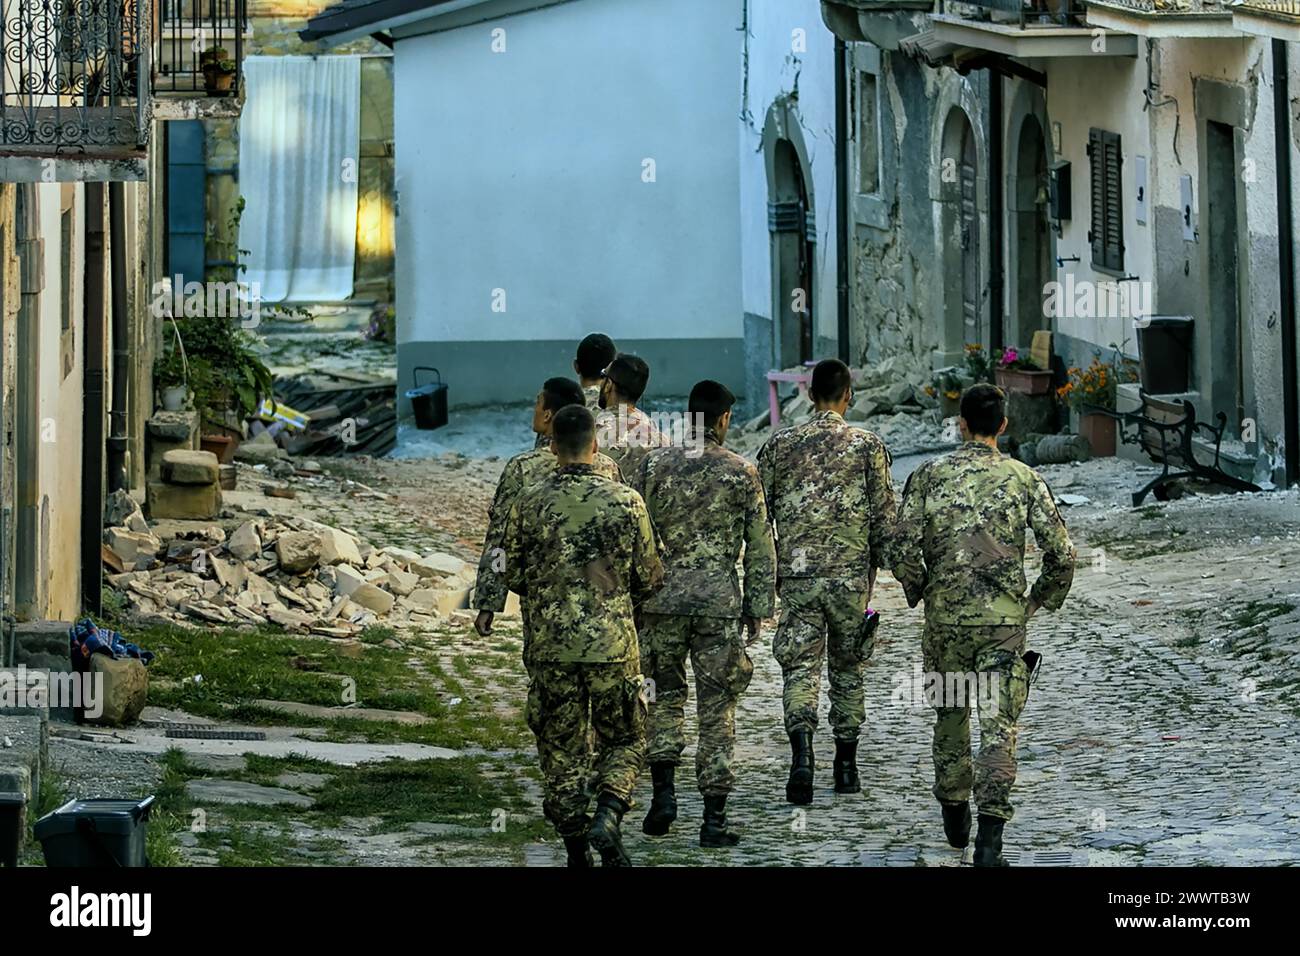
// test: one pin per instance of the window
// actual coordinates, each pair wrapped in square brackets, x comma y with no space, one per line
[1106,235]
[868,134]
[67,337]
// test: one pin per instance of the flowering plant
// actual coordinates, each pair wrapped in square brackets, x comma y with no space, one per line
[978,365]
[1013,361]
[945,383]
[1096,385]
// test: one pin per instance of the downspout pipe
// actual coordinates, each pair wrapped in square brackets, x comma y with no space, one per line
[116,448]
[842,199]
[1286,260]
[92,436]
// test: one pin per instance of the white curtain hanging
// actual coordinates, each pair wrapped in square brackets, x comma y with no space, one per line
[299,140]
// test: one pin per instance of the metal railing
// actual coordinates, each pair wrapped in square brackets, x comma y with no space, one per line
[186,30]
[75,73]
[1028,13]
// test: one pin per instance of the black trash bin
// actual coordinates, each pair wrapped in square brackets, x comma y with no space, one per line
[1165,351]
[428,401]
[95,833]
[11,825]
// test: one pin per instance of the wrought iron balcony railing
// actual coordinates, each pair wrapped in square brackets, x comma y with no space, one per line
[1028,14]
[75,74]
[199,46]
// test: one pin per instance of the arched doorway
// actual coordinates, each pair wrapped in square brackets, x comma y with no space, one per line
[958,187]
[793,246]
[971,287]
[1031,246]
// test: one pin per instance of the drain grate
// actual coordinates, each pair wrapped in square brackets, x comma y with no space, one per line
[196,733]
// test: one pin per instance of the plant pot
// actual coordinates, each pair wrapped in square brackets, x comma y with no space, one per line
[1100,432]
[174,396]
[1028,382]
[949,407]
[217,82]
[223,446]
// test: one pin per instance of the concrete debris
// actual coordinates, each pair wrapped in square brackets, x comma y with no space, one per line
[299,574]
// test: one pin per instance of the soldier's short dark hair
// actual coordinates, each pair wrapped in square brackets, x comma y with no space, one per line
[830,380]
[983,406]
[594,353]
[629,373]
[573,430]
[559,392]
[710,399]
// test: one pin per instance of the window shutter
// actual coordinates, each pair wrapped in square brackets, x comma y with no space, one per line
[1106,235]
[1097,179]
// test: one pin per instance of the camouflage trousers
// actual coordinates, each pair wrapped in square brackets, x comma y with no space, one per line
[589,720]
[821,618]
[722,672]
[989,658]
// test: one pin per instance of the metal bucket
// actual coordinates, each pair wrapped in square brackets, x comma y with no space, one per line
[428,401]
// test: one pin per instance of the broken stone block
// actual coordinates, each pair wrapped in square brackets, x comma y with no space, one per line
[298,551]
[185,502]
[245,544]
[124,689]
[402,583]
[119,509]
[131,547]
[438,565]
[402,555]
[288,618]
[229,574]
[347,579]
[373,598]
[185,467]
[261,449]
[338,547]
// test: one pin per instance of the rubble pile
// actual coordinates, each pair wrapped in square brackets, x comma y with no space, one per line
[890,399]
[293,572]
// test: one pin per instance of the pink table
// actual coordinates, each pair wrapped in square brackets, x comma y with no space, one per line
[773,403]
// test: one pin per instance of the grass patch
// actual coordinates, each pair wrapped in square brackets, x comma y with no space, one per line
[1255,613]
[238,667]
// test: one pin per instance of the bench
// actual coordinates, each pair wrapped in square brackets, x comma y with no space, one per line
[1164,431]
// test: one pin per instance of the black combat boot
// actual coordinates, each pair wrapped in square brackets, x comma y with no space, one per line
[604,833]
[846,767]
[714,832]
[579,851]
[956,823]
[988,842]
[663,806]
[799,789]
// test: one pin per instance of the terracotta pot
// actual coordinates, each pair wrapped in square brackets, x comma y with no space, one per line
[948,407]
[223,446]
[216,81]
[1100,432]
[1022,380]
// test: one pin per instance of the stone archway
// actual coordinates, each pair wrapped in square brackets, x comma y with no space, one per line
[1030,241]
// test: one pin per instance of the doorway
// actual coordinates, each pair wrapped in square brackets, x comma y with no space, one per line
[1227,379]
[971,292]
[793,247]
[1032,243]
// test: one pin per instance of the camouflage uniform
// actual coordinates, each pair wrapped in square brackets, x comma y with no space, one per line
[581,553]
[522,471]
[592,395]
[960,547]
[830,496]
[704,505]
[628,435]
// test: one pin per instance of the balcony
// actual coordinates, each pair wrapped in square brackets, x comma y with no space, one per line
[880,22]
[198,57]
[1026,28]
[1279,19]
[1165,18]
[74,81]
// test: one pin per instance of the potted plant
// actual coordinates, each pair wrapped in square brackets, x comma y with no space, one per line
[1016,373]
[945,386]
[218,71]
[171,375]
[978,365]
[1091,392]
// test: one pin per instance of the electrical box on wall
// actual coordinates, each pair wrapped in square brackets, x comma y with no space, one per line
[1140,190]
[1058,191]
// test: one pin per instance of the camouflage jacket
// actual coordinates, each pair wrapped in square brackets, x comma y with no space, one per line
[960,539]
[628,436]
[592,394]
[580,551]
[705,505]
[522,471]
[831,497]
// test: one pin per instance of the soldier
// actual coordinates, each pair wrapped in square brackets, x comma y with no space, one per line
[831,499]
[594,353]
[960,547]
[626,433]
[581,553]
[520,472]
[705,505]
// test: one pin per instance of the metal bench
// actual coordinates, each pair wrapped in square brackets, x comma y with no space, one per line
[1165,431]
